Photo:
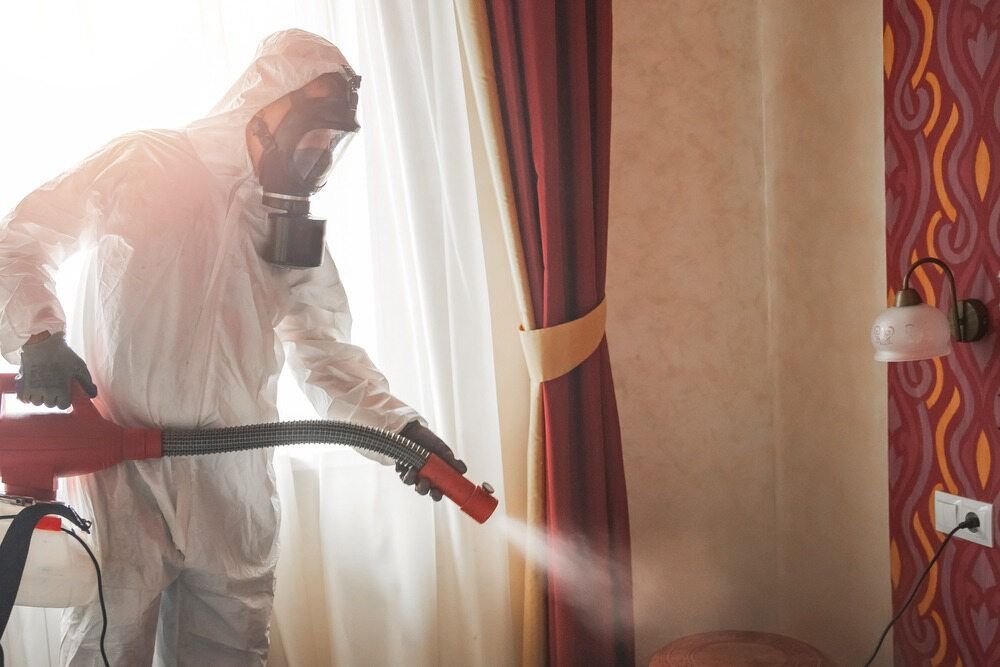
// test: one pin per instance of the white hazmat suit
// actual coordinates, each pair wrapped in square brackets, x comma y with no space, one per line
[182,324]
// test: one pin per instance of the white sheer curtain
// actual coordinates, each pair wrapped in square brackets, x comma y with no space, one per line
[392,581]
[370,573]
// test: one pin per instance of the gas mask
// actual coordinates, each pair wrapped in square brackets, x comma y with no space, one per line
[295,163]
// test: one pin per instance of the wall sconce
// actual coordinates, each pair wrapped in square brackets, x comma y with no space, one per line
[913,330]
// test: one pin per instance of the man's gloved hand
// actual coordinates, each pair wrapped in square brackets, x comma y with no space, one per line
[48,366]
[424,437]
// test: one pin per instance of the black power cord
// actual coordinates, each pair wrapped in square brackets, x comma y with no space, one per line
[971,522]
[100,588]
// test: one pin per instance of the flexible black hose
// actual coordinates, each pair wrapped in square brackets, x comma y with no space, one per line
[189,442]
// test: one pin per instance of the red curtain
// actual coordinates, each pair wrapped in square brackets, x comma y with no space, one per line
[553,69]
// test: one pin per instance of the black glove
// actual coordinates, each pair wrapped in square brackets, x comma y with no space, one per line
[47,368]
[424,437]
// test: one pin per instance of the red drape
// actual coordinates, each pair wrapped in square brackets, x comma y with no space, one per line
[553,69]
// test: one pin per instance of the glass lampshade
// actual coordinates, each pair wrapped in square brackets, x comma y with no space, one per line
[911,333]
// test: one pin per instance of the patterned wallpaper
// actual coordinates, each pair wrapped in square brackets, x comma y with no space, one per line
[942,149]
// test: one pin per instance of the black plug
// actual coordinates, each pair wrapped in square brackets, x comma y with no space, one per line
[971,522]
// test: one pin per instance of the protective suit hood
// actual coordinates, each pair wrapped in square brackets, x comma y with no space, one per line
[285,61]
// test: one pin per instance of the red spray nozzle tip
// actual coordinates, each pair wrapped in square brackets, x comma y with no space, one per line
[475,501]
[480,505]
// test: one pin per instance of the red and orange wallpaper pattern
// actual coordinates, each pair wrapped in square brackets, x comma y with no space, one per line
[942,153]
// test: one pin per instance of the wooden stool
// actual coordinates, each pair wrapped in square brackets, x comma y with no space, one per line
[737,649]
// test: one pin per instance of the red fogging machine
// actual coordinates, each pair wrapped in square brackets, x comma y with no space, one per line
[37,449]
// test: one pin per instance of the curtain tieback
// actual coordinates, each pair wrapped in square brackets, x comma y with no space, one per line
[552,352]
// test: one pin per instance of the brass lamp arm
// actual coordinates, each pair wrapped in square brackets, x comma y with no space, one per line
[968,317]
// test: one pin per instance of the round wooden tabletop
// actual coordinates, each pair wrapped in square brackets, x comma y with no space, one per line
[738,649]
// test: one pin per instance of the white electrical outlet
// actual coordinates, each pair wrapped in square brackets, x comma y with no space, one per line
[950,510]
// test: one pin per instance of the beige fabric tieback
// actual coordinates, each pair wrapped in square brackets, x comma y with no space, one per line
[552,352]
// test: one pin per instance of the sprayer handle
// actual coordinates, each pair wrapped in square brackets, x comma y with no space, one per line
[79,399]
[83,404]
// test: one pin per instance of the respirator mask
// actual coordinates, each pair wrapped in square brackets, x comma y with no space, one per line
[295,163]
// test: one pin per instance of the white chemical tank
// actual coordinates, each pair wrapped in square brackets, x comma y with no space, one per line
[58,572]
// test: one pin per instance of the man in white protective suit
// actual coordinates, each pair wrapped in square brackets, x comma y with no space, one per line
[193,293]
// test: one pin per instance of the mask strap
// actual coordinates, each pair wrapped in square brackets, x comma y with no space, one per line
[258,128]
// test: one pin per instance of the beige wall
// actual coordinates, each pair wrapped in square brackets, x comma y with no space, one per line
[746,261]
[688,327]
[826,229]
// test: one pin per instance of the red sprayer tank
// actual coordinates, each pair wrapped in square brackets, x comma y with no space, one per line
[36,449]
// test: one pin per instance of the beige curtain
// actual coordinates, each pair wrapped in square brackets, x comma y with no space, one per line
[524,479]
